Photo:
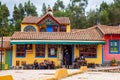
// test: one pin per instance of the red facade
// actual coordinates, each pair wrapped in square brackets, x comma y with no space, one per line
[108,56]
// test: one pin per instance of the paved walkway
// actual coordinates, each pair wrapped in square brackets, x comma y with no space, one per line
[31,74]
[95,76]
[42,74]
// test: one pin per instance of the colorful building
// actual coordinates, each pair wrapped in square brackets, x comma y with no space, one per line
[6,53]
[46,37]
[111,36]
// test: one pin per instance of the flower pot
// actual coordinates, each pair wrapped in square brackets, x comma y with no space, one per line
[114,64]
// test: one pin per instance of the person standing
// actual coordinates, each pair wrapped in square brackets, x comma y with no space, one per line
[67,59]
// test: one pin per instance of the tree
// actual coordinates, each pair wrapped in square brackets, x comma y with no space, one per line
[44,9]
[77,17]
[103,6]
[91,18]
[59,9]
[104,18]
[115,12]
[21,11]
[30,9]
[58,5]
[4,13]
[16,13]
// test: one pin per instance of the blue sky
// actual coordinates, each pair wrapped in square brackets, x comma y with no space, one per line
[38,3]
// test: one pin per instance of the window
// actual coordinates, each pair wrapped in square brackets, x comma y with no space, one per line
[114,46]
[20,51]
[88,51]
[40,50]
[42,30]
[29,29]
[52,50]
[2,56]
[63,29]
[55,28]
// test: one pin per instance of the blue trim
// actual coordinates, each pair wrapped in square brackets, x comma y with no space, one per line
[55,42]
[117,46]
[10,57]
[39,56]
[53,56]
[72,53]
[102,54]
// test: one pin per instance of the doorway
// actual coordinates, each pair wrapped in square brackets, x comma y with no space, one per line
[69,49]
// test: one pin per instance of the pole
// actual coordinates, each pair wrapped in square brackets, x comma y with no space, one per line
[2,43]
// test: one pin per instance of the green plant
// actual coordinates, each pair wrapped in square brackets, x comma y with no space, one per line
[113,61]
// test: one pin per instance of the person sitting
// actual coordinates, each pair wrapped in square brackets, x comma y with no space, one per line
[42,66]
[35,65]
[52,65]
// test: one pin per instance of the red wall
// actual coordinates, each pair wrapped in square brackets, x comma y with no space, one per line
[107,55]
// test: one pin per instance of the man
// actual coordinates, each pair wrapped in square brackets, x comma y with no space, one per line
[67,59]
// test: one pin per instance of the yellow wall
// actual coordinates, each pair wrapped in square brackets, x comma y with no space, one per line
[97,60]
[76,52]
[68,28]
[30,57]
[24,25]
[37,28]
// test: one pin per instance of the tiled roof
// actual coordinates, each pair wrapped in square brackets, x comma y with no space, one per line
[31,19]
[109,29]
[6,42]
[87,35]
[63,20]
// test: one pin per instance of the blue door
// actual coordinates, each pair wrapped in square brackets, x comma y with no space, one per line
[49,28]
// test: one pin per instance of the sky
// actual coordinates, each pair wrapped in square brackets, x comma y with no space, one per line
[92,4]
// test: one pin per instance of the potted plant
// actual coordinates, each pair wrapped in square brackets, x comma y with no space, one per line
[114,62]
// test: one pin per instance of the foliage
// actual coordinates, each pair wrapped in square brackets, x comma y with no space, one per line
[58,5]
[106,14]
[44,9]
[21,11]
[30,9]
[113,61]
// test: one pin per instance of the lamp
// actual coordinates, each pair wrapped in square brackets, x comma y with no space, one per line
[2,41]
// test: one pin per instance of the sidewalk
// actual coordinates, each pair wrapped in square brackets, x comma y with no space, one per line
[31,74]
[95,76]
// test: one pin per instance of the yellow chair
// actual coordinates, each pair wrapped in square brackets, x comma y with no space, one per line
[6,77]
